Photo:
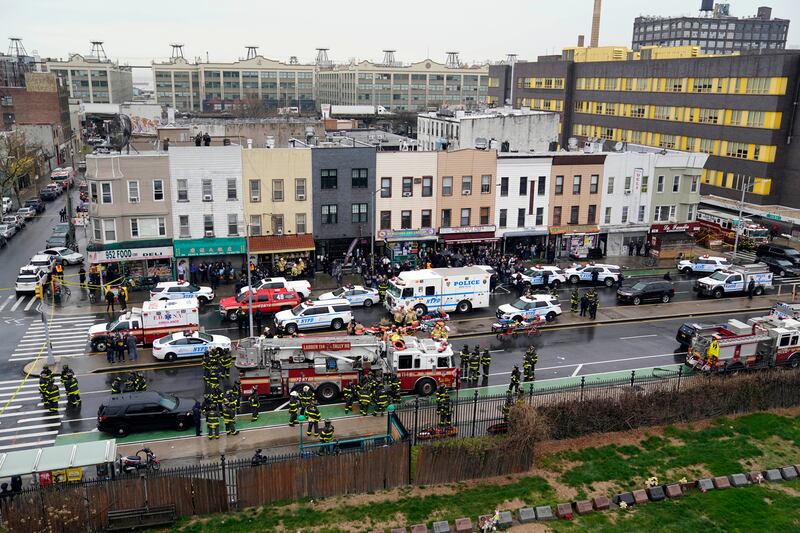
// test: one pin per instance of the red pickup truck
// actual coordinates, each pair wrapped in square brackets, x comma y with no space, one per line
[265,300]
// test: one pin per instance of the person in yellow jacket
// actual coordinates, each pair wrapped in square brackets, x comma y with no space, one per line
[713,353]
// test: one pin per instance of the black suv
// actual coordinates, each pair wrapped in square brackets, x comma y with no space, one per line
[779,251]
[47,194]
[144,411]
[37,204]
[643,291]
[780,266]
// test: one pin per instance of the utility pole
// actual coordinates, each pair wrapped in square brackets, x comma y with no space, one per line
[745,185]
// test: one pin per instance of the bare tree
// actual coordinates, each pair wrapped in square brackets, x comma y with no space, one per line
[18,160]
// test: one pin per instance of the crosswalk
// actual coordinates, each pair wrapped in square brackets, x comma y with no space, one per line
[10,303]
[24,421]
[68,336]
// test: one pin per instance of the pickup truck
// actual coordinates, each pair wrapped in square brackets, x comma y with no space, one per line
[735,280]
[301,286]
[264,300]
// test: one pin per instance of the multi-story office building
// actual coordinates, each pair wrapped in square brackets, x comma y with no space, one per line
[717,34]
[737,109]
[219,86]
[416,87]
[94,81]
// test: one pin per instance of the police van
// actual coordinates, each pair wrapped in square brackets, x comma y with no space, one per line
[313,314]
[433,289]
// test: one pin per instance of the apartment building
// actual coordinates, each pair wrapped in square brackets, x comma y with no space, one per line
[130,205]
[278,202]
[522,197]
[405,205]
[465,196]
[207,203]
[94,81]
[737,109]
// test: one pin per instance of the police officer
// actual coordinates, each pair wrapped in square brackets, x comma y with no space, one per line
[350,394]
[116,385]
[313,415]
[514,385]
[306,397]
[255,403]
[326,436]
[486,361]
[294,408]
[594,302]
[212,422]
[584,303]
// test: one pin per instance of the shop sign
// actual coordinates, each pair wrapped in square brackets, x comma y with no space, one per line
[203,247]
[674,228]
[567,230]
[773,216]
[130,254]
[409,234]
[467,229]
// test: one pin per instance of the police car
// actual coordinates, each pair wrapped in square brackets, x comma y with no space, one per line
[194,344]
[703,263]
[606,274]
[177,290]
[535,276]
[355,294]
[529,306]
[315,314]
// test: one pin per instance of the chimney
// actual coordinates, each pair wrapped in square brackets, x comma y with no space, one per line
[595,37]
[764,13]
[580,41]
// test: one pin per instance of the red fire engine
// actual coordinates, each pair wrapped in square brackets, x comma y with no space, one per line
[277,367]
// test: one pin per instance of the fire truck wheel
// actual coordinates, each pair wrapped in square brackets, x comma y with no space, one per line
[232,315]
[425,387]
[420,309]
[99,346]
[337,324]
[327,392]
[794,361]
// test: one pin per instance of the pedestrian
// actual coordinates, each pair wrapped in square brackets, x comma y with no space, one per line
[82,277]
[130,342]
[751,288]
[109,300]
[639,244]
[631,245]
[181,271]
[584,304]
[119,346]
[123,298]
[196,418]
[110,350]
[294,408]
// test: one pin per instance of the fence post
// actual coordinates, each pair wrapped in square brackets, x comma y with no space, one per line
[680,373]
[633,377]
[224,476]
[474,411]
[416,418]
[530,393]
[583,383]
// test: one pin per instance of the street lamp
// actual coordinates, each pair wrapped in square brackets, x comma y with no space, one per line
[745,186]
[245,228]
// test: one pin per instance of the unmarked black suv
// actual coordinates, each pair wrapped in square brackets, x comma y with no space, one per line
[647,291]
[779,251]
[144,411]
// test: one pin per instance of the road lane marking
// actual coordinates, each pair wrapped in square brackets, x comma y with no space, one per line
[281,406]
[34,412]
[592,363]
[577,370]
[26,435]
[637,337]
[37,426]
[30,304]
[17,304]
[8,301]
[45,418]
[38,444]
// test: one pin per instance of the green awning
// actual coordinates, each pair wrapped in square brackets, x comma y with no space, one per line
[210,246]
[57,458]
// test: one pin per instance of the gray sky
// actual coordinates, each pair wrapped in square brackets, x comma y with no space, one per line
[136,32]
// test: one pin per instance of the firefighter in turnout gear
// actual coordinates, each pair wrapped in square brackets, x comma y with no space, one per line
[574,300]
[306,397]
[216,397]
[313,415]
[294,408]
[116,385]
[73,391]
[444,408]
[474,364]
[381,398]
[350,396]
[364,397]
[66,372]
[231,400]
[529,364]
[394,388]
[44,382]
[255,403]
[486,362]
[514,385]
[226,362]
[53,396]
[229,417]
[506,408]
[326,437]
[383,286]
[212,422]
[464,358]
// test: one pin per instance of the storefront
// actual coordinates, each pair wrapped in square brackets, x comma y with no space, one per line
[212,250]
[291,249]
[616,240]
[670,241]
[405,245]
[576,242]
[134,259]
[521,241]
[468,238]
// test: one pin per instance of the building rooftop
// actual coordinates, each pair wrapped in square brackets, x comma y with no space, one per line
[373,137]
[457,116]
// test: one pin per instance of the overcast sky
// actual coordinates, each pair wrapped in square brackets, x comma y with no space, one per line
[139,31]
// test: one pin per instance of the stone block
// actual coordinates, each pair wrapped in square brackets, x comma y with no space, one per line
[419,528]
[689,485]
[656,494]
[755,477]
[640,496]
[673,491]
[506,520]
[705,484]
[738,480]
[583,507]
[442,526]
[789,472]
[526,515]
[773,475]
[722,482]
[626,497]
[601,503]
[544,512]
[564,510]
[398,530]
[463,525]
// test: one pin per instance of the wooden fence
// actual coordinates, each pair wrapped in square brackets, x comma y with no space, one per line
[457,462]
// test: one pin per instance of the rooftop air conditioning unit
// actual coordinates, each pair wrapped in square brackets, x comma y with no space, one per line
[209,234]
[255,198]
[407,195]
[207,197]
[466,193]
[280,231]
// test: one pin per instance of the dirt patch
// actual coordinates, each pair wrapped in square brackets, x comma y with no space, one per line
[602,488]
[564,493]
[529,528]
[791,491]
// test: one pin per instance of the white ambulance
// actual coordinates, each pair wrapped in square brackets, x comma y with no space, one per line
[433,289]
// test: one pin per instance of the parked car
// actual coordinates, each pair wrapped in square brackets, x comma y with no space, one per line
[37,204]
[47,263]
[28,279]
[47,194]
[16,220]
[176,290]
[779,251]
[195,344]
[59,241]
[527,307]
[65,228]
[8,205]
[8,230]
[335,314]
[780,267]
[355,294]
[65,255]
[534,276]
[129,412]
[57,186]
[27,213]
[606,274]
[703,264]
[644,291]
[265,300]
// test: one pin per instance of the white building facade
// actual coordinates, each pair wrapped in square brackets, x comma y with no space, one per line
[523,190]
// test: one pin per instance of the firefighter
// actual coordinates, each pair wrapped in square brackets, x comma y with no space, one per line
[445,412]
[506,408]
[73,391]
[116,385]
[53,396]
[464,357]
[294,407]
[486,362]
[514,385]
[306,397]
[364,397]
[255,403]
[313,415]
[474,364]
[216,397]
[350,394]
[326,436]
[140,384]
[213,377]
[226,362]
[229,417]
[395,388]
[574,299]
[212,422]
[383,286]
[231,400]
[213,357]
[66,372]
[381,398]
[44,382]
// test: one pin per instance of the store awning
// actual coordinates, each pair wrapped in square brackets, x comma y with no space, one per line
[469,237]
[275,244]
[57,458]
[472,241]
[526,233]
[568,230]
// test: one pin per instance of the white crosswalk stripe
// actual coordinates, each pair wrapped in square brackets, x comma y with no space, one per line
[68,337]
[26,423]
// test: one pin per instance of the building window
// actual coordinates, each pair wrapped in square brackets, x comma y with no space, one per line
[359,213]
[427,186]
[183,226]
[574,213]
[539,216]
[738,150]
[486,184]
[557,215]
[93,189]
[408,187]
[644,183]
[466,185]
[233,224]
[329,177]
[208,225]
[134,227]
[484,215]
[640,217]
[277,190]
[109,230]
[695,181]
[660,184]
[594,183]
[255,190]
[521,217]
[503,218]
[405,219]
[559,185]
[386,220]
[607,218]
[624,218]
[330,214]
[300,189]
[426,219]
[300,223]
[207,190]
[541,185]
[277,224]
[664,213]
[133,192]
[503,186]
[466,215]
[523,186]
[255,225]
[359,178]
[446,218]
[105,193]
[676,183]
[690,212]
[591,216]
[232,193]
[386,187]
[576,184]
[447,186]
[610,185]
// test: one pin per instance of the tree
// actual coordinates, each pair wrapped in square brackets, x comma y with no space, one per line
[18,160]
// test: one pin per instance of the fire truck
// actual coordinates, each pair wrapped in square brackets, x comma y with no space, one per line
[764,342]
[724,225]
[276,367]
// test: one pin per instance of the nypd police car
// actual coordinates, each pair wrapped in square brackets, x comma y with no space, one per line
[535,276]
[606,274]
[528,307]
[355,294]
[194,344]
[315,314]
[703,263]
[177,290]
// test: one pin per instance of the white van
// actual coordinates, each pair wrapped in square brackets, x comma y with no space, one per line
[335,314]
[448,289]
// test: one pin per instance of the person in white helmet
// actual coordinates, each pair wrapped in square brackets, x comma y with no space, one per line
[306,397]
[294,408]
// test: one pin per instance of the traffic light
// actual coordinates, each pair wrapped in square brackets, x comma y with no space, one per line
[38,292]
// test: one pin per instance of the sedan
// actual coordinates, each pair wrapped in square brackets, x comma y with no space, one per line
[780,267]
[64,255]
[7,230]
[355,294]
[195,344]
[27,213]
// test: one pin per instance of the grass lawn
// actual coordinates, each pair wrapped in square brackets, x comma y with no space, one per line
[724,446]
